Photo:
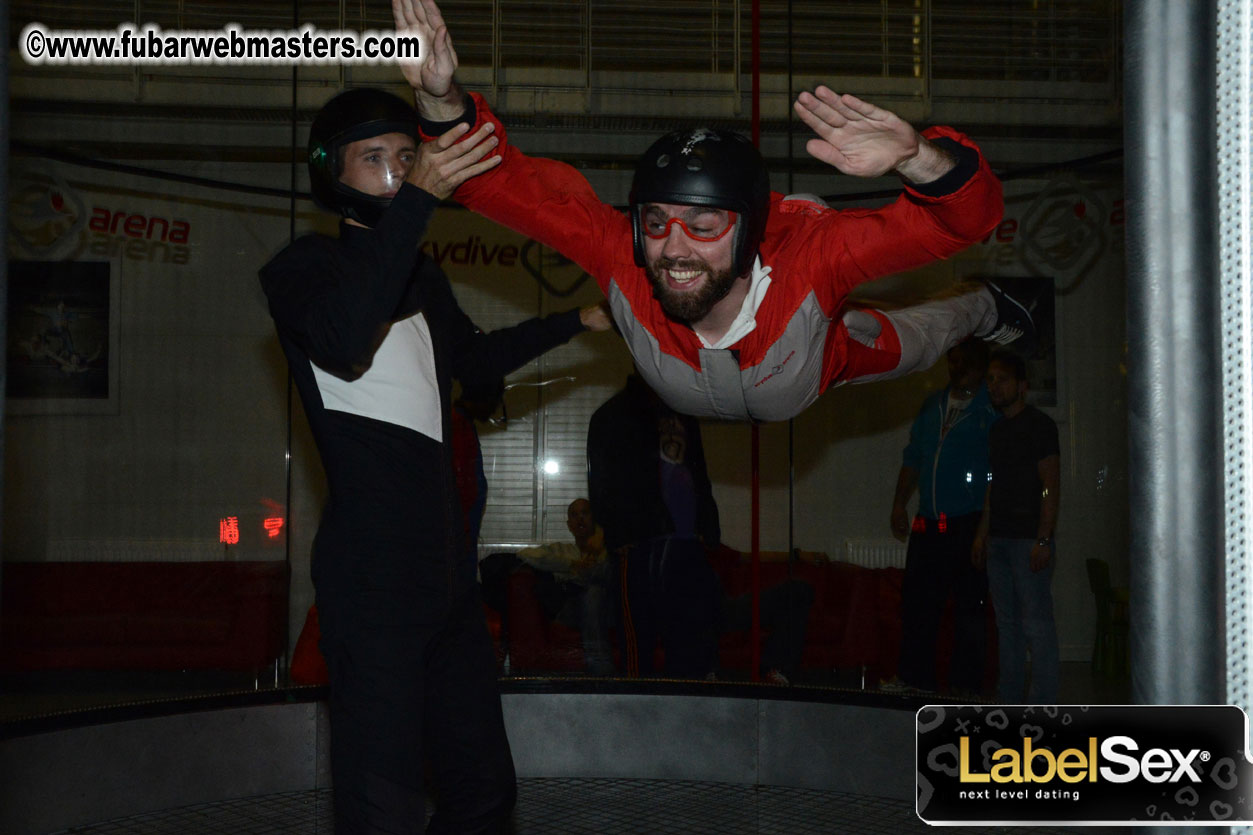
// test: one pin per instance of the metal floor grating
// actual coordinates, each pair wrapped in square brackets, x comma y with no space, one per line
[582,807]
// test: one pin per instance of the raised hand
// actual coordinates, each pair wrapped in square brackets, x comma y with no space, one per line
[855,136]
[432,76]
[444,163]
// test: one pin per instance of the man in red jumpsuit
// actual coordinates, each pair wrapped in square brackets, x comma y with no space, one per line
[731,298]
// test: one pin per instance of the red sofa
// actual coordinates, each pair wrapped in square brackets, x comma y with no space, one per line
[854,623]
[142,615]
[534,643]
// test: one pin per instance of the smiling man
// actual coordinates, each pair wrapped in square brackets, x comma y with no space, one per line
[732,299]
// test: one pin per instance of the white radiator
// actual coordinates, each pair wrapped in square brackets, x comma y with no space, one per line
[875,553]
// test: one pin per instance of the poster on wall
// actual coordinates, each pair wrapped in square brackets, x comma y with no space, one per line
[61,356]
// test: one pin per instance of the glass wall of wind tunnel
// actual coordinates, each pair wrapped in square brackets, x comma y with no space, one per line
[826,481]
[163,489]
[829,478]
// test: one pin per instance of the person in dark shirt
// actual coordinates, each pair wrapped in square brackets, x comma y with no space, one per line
[1015,535]
[650,486]
[373,337]
[647,480]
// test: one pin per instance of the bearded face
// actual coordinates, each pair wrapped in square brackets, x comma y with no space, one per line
[688,253]
[681,303]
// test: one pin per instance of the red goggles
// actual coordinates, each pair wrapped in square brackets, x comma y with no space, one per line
[706,225]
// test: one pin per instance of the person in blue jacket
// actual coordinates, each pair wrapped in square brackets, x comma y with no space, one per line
[946,461]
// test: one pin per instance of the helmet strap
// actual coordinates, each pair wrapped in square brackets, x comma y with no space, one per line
[364,208]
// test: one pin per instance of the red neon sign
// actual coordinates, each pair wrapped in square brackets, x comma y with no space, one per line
[228,530]
[273,526]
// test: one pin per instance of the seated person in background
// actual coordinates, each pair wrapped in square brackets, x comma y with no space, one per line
[579,571]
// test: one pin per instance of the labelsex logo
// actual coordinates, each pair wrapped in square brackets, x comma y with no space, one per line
[1072,765]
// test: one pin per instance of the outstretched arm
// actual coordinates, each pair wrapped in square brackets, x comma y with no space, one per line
[952,199]
[338,309]
[542,199]
[864,140]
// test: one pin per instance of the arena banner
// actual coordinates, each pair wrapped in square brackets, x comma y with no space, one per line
[1099,765]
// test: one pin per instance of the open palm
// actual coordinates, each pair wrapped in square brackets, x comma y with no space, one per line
[432,74]
[855,136]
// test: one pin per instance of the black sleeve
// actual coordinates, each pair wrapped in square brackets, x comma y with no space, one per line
[478,356]
[336,303]
[603,483]
[598,484]
[707,509]
[469,115]
[1046,437]
[967,167]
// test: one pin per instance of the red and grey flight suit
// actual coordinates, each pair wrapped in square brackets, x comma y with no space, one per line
[812,256]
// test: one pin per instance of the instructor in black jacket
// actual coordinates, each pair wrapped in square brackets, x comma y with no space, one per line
[374,336]
[652,496]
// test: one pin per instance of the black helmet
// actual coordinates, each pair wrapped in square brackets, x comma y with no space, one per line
[352,115]
[703,167]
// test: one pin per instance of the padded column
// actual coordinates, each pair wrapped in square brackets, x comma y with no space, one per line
[1175,395]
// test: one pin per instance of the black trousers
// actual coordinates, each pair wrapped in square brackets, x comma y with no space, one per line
[937,567]
[667,588]
[409,680]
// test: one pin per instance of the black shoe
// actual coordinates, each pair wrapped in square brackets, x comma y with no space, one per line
[1014,325]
